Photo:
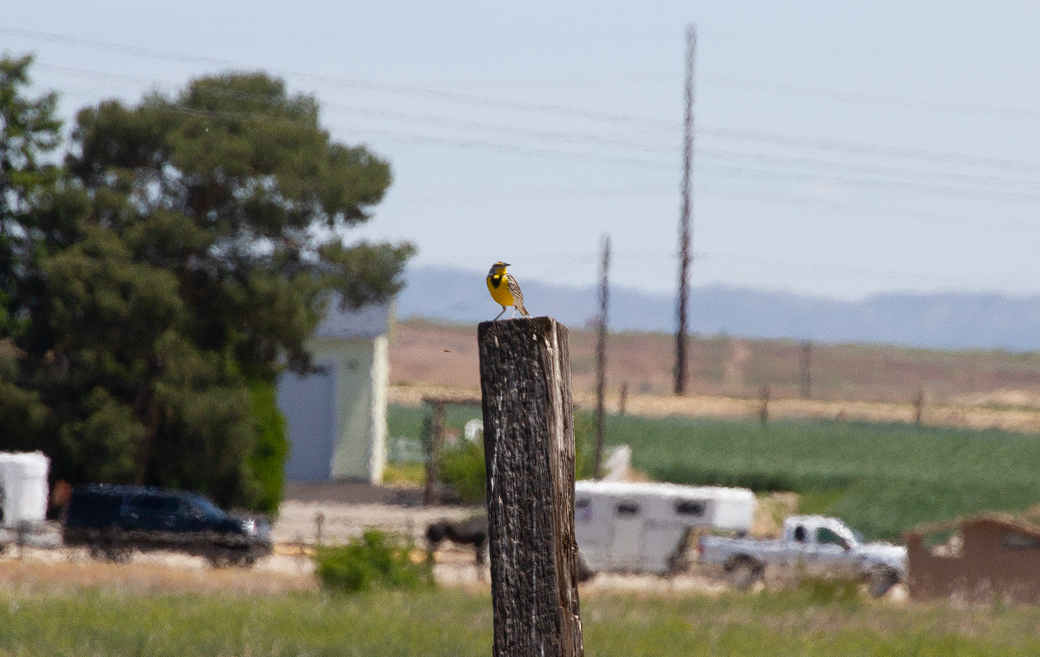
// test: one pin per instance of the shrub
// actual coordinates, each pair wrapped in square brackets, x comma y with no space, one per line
[375,560]
[463,468]
[584,444]
[272,447]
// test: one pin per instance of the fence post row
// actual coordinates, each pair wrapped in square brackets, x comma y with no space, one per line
[529,453]
[434,427]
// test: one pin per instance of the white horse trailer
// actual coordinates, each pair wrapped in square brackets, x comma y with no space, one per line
[23,488]
[642,527]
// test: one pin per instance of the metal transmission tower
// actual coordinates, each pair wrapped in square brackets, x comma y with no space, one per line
[685,216]
[601,354]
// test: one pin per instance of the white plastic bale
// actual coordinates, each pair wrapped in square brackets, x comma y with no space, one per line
[23,479]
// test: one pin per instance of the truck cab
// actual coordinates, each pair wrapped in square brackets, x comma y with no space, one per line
[819,541]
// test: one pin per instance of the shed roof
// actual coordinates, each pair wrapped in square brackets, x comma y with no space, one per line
[368,322]
[1004,519]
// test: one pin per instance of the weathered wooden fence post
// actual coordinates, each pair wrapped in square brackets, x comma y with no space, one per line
[805,371]
[529,451]
[763,411]
[433,452]
[919,407]
[434,432]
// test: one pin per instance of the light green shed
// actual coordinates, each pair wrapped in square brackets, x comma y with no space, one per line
[337,416]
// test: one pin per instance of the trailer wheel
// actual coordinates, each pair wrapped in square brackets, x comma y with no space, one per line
[744,571]
[881,579]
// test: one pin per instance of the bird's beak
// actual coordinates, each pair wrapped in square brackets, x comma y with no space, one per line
[506,264]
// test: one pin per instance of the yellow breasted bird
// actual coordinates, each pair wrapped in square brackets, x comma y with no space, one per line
[505,290]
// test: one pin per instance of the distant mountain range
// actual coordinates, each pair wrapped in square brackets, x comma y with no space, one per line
[952,320]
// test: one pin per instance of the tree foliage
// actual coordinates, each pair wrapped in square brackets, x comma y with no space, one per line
[163,278]
[28,132]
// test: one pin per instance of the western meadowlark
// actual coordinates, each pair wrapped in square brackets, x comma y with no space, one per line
[505,290]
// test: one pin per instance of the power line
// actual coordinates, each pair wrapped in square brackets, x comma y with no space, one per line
[881,170]
[855,208]
[546,108]
[725,171]
[827,145]
[904,185]
[868,98]
[436,94]
[874,98]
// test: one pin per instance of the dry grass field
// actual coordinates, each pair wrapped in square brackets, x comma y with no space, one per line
[975,389]
[62,571]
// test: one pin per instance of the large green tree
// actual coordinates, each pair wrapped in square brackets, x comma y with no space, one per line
[29,131]
[180,263]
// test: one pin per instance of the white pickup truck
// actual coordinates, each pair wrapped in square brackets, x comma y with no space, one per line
[813,543]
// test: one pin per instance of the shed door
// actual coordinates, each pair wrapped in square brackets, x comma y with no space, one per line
[308,404]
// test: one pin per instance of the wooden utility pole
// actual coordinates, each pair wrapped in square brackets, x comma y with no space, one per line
[685,217]
[601,354]
[429,439]
[763,410]
[919,407]
[529,453]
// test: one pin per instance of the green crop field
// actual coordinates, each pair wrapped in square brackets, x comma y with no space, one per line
[881,478]
[810,621]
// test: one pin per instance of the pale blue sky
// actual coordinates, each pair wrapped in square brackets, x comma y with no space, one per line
[842,149]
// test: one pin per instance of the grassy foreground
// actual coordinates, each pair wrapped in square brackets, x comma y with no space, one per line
[93,622]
